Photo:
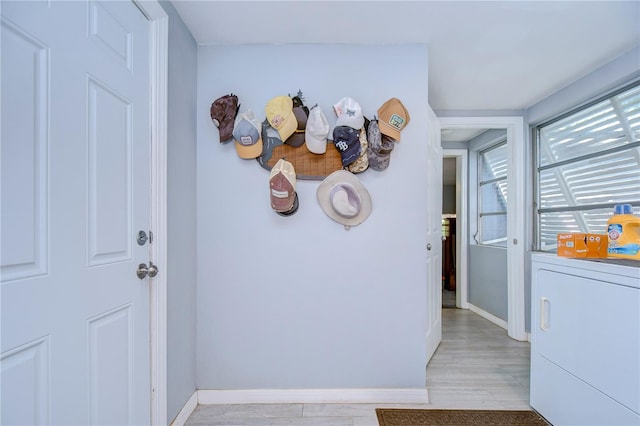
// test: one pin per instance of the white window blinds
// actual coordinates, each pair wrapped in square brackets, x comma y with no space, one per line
[588,161]
[492,195]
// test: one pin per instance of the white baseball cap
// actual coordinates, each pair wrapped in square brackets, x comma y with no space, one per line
[349,113]
[316,132]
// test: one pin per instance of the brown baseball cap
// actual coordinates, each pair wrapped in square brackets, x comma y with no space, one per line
[282,187]
[392,118]
[223,114]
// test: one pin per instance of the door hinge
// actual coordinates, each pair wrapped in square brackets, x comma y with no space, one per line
[150,237]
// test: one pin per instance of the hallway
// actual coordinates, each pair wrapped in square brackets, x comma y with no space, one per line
[476,366]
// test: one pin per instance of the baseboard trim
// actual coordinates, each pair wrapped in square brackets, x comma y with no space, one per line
[315,396]
[186,411]
[486,315]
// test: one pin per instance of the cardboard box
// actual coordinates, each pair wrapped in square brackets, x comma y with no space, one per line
[583,245]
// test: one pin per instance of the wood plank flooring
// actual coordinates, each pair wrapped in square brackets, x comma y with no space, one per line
[476,366]
[448,298]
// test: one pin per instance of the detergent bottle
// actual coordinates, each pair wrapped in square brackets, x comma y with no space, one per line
[624,233]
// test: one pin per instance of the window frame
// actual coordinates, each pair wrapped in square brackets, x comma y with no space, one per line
[501,242]
[535,131]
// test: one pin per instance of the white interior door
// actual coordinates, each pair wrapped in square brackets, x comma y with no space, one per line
[434,234]
[75,191]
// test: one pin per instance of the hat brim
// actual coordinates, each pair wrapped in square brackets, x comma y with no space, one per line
[353,122]
[293,208]
[288,128]
[225,129]
[324,197]
[249,152]
[387,129]
[378,162]
[296,139]
[316,145]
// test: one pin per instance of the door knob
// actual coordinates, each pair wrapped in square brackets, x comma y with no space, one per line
[429,246]
[143,270]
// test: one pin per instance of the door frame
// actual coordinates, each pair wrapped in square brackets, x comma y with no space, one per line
[158,50]
[516,215]
[462,273]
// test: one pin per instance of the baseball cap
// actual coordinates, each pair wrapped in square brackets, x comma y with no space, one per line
[301,114]
[223,112]
[282,186]
[380,147]
[349,113]
[393,117]
[362,162]
[347,141]
[316,131]
[246,133]
[280,115]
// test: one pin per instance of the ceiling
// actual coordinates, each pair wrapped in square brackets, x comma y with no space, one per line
[460,135]
[483,55]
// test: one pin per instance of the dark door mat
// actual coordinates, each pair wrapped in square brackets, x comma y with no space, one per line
[423,417]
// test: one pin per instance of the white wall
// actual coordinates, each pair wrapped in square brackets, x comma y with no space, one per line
[488,287]
[181,214]
[299,302]
[614,74]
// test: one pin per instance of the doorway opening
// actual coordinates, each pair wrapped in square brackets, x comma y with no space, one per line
[455,212]
[449,232]
[515,297]
[448,260]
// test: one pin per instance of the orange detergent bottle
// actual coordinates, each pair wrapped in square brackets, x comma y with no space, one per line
[624,233]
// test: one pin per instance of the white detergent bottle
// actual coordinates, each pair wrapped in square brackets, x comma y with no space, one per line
[624,233]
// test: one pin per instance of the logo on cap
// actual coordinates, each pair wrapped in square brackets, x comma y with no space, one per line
[342,146]
[277,121]
[396,121]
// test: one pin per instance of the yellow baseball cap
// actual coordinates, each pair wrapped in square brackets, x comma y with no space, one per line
[280,116]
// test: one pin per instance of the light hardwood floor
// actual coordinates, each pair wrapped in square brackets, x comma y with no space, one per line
[476,366]
[448,298]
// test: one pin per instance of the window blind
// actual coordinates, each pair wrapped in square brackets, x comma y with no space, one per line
[588,161]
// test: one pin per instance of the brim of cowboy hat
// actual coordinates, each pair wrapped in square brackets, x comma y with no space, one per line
[324,197]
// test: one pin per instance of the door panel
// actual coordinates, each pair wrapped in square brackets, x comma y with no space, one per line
[109,179]
[75,191]
[433,235]
[24,231]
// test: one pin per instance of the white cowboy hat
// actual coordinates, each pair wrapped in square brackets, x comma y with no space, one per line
[344,198]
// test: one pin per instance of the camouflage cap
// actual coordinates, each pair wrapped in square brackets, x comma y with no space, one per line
[379,148]
[362,163]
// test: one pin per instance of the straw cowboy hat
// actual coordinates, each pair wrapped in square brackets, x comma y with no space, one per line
[344,198]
